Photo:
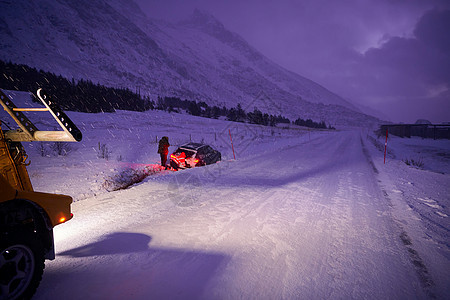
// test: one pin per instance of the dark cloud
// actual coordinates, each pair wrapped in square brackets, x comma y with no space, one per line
[433,29]
[426,56]
[412,72]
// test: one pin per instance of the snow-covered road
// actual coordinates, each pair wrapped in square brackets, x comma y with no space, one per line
[306,221]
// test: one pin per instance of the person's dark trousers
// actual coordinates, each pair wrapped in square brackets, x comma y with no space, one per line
[163,159]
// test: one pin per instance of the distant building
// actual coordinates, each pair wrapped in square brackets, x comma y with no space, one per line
[423,122]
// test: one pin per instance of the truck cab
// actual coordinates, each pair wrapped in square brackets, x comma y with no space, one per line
[27,217]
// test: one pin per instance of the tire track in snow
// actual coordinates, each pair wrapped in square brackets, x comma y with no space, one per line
[313,228]
[330,235]
[418,263]
[342,231]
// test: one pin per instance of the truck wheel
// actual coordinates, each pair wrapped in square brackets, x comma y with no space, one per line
[21,267]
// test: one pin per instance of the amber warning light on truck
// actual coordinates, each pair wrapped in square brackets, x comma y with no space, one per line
[64,219]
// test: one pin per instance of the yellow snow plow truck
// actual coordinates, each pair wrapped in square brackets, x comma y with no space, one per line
[27,217]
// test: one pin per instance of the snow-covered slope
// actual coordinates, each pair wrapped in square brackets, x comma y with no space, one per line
[114,43]
[299,214]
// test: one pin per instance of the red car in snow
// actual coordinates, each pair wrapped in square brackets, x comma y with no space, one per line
[193,155]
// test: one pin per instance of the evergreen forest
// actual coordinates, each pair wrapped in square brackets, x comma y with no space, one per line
[86,96]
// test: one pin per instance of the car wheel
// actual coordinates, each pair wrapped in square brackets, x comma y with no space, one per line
[21,266]
[174,165]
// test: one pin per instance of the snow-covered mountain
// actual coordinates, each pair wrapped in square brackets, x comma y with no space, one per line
[114,43]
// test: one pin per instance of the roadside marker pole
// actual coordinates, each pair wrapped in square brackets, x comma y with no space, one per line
[232,147]
[385,146]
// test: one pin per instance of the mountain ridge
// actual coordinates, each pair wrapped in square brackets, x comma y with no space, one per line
[190,59]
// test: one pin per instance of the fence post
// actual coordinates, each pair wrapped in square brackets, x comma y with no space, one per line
[385,145]
[232,147]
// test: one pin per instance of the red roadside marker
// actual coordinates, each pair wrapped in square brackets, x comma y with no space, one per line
[232,147]
[385,146]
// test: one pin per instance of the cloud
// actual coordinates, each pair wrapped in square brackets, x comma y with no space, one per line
[405,77]
[393,57]
[433,29]
[410,68]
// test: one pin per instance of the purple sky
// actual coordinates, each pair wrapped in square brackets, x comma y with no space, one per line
[390,55]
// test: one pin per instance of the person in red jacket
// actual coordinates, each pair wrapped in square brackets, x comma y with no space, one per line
[163,150]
